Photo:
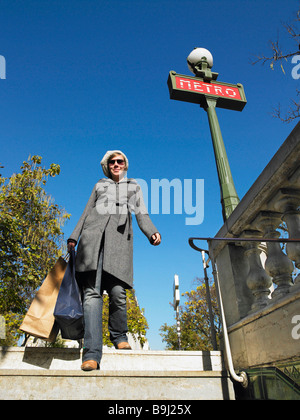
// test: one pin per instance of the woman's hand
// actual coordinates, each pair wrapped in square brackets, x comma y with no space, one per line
[156,239]
[71,245]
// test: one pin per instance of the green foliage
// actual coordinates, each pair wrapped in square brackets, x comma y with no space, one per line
[30,239]
[194,321]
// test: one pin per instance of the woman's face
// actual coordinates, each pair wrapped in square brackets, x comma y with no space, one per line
[117,167]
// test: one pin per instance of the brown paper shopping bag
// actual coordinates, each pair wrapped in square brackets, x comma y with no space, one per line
[39,320]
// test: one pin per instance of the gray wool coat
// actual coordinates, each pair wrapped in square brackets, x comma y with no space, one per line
[109,210]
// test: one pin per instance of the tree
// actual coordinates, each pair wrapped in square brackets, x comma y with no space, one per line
[30,239]
[194,321]
[279,56]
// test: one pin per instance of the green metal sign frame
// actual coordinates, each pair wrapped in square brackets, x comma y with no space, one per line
[196,90]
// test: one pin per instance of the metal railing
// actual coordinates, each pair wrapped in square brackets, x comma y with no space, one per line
[242,376]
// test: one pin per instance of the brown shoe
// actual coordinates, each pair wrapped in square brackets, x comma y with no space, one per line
[90,365]
[123,346]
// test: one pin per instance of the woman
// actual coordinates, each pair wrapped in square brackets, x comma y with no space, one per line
[105,253]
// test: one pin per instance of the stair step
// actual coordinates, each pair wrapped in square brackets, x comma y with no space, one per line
[54,374]
[70,359]
[112,385]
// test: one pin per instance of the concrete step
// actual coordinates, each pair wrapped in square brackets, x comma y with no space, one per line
[70,359]
[54,374]
[111,385]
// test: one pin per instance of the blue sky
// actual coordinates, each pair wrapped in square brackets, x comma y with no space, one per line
[86,76]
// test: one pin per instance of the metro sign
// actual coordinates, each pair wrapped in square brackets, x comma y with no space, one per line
[208,88]
[195,90]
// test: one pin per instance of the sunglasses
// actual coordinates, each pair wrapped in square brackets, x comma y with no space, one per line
[118,161]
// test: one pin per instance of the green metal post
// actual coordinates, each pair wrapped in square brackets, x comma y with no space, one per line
[229,197]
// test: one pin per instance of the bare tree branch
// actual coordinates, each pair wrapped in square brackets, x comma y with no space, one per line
[292,113]
[279,56]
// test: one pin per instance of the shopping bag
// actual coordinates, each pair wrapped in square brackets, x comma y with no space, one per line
[68,311]
[39,320]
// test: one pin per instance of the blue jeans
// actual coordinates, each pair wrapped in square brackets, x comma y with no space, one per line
[93,283]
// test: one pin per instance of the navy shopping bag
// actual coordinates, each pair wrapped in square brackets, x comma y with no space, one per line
[68,310]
